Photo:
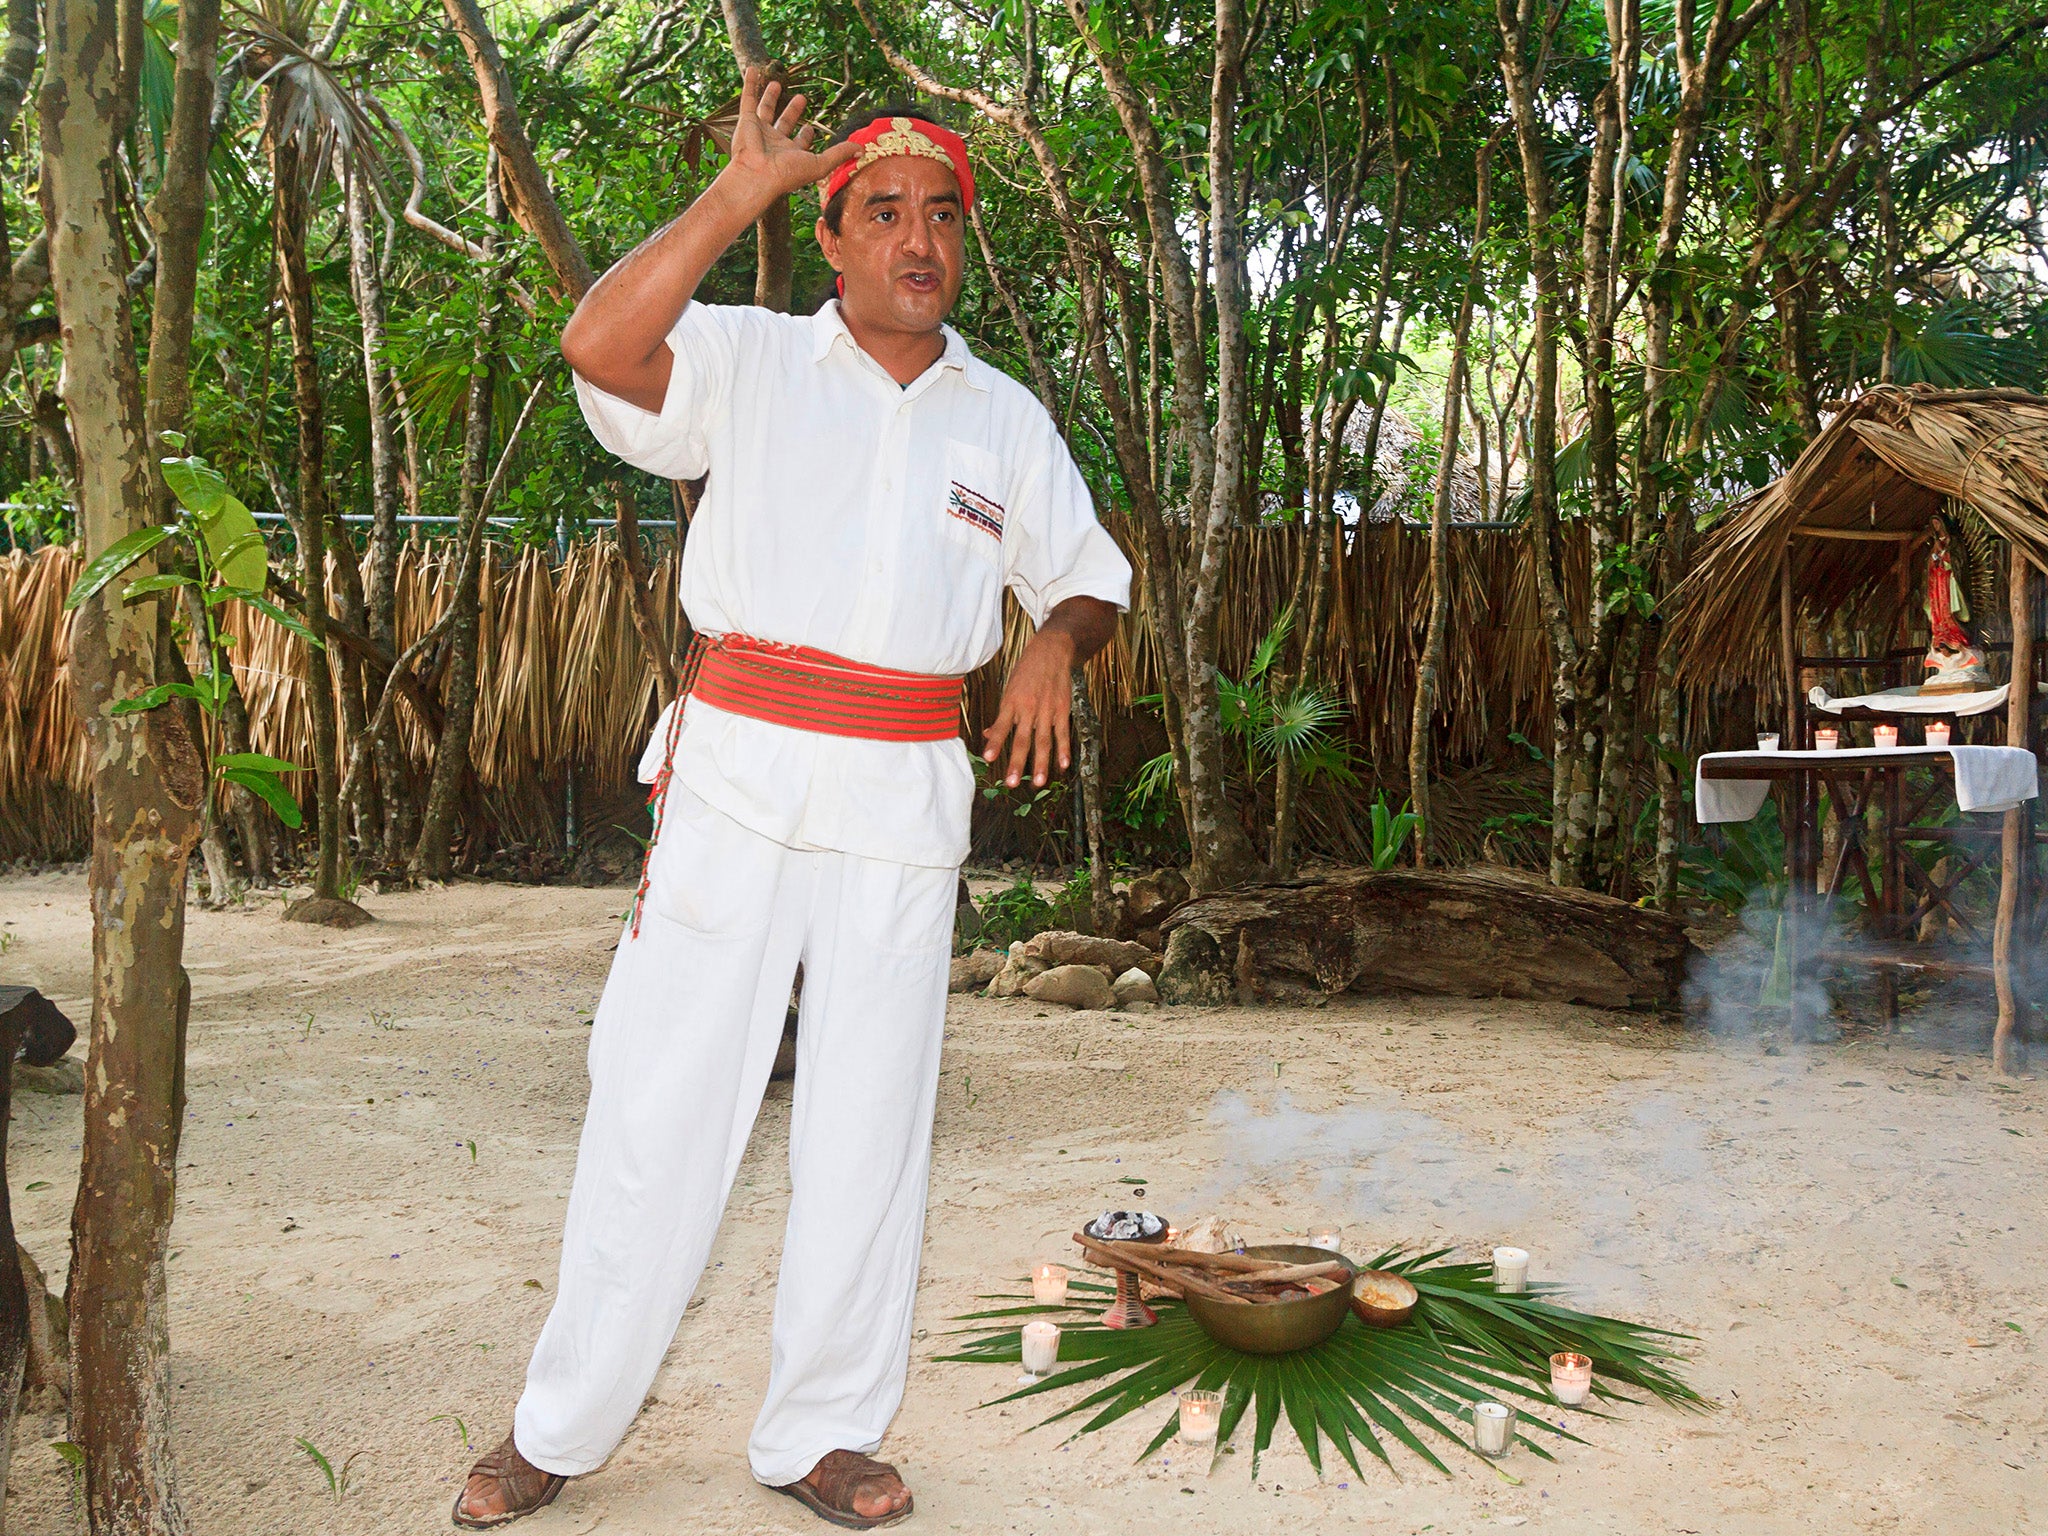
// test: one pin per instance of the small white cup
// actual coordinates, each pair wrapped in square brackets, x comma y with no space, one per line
[1493,1428]
[1041,1347]
[1767,741]
[1511,1269]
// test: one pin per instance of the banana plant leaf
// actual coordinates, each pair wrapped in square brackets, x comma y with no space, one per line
[1363,1388]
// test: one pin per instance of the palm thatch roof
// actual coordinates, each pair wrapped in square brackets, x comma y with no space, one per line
[1866,490]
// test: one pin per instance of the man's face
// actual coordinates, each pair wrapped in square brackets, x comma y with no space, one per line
[900,245]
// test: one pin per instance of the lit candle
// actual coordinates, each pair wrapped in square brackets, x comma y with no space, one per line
[1571,1378]
[1885,735]
[1041,1347]
[1200,1414]
[1767,741]
[1329,1239]
[1049,1285]
[1937,733]
[1510,1269]
[1493,1428]
[1827,739]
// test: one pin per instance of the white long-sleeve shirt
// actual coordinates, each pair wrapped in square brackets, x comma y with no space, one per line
[877,521]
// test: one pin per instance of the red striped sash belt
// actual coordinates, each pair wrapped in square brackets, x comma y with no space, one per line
[812,690]
[808,690]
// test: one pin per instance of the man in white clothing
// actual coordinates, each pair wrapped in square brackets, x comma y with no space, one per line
[873,489]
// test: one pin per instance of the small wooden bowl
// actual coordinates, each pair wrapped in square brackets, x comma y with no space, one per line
[1383,1299]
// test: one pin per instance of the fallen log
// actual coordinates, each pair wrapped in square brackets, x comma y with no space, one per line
[1483,932]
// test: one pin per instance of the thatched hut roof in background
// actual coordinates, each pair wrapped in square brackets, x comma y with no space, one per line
[1406,467]
[1885,466]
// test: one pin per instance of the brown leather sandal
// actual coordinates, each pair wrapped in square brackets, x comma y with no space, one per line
[527,1488]
[840,1475]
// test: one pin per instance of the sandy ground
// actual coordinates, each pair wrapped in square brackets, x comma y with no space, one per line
[1852,1231]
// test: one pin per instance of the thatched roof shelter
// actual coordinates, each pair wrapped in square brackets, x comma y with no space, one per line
[1868,486]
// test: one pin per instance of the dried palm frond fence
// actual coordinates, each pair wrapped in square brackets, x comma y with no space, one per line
[565,698]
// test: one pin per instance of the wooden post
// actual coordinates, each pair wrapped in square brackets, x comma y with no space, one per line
[2016,851]
[1798,796]
[1788,642]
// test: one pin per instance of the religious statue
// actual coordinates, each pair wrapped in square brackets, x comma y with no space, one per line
[1954,665]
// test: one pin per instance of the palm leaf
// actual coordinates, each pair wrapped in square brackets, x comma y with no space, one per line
[1410,1386]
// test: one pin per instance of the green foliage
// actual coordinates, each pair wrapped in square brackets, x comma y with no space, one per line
[1015,913]
[1391,831]
[41,514]
[1363,1388]
[228,562]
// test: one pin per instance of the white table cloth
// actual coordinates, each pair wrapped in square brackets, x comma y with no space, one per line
[1987,778]
[1911,701]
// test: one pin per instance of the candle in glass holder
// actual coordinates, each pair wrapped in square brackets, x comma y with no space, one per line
[1041,1347]
[1493,1428]
[1571,1378]
[1827,739]
[1510,1269]
[1885,735]
[1200,1415]
[1767,741]
[1049,1285]
[1937,733]
[1329,1239]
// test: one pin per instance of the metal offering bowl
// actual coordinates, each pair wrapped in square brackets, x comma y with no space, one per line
[1383,1299]
[1278,1327]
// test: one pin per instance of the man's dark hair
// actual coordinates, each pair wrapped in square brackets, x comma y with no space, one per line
[835,206]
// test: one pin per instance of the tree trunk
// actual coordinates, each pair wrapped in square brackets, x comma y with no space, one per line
[1088,768]
[774,255]
[289,181]
[1569,810]
[1435,635]
[451,755]
[148,783]
[176,215]
[1469,933]
[380,585]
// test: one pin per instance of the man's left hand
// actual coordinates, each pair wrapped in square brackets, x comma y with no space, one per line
[1034,721]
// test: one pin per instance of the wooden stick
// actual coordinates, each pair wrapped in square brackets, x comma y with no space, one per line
[1242,1262]
[1118,1256]
[1289,1273]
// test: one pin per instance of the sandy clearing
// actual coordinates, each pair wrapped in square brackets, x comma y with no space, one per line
[1848,1229]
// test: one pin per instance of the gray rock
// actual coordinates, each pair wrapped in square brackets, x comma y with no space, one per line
[1059,947]
[1134,986]
[1078,986]
[974,971]
[1016,971]
[65,1075]
[1196,971]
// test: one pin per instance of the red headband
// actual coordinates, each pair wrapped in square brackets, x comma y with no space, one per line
[906,136]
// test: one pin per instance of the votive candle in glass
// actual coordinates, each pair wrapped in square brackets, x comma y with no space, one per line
[1200,1415]
[1767,741]
[1041,1347]
[1511,1269]
[1885,735]
[1571,1378]
[1049,1285]
[1937,733]
[1329,1239]
[1827,739]
[1493,1428]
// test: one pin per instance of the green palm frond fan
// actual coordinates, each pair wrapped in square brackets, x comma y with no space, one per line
[1362,1387]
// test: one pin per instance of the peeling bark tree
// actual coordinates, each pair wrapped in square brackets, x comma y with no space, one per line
[147,786]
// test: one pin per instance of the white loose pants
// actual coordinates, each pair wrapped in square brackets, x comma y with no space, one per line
[684,1039]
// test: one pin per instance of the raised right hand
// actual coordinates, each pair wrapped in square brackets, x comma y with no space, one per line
[771,154]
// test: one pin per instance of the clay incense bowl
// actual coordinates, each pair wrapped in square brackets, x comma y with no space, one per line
[1277,1327]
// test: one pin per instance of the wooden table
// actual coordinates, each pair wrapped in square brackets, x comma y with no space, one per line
[1856,779]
